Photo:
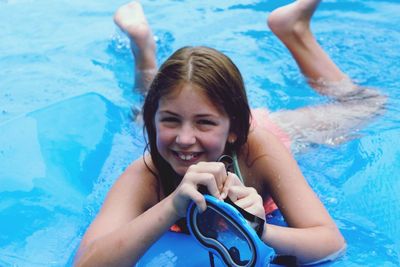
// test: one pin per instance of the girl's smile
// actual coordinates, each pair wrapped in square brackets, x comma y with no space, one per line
[190,128]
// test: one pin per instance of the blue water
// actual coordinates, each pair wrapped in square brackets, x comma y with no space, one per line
[52,50]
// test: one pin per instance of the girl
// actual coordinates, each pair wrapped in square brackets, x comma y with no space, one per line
[195,111]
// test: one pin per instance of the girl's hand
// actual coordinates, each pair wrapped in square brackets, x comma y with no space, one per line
[212,175]
[248,199]
[231,180]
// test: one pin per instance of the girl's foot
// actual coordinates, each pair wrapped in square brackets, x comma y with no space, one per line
[130,18]
[293,20]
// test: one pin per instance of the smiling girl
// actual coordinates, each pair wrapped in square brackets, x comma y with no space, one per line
[195,111]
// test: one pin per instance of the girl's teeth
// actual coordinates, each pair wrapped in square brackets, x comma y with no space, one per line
[186,157]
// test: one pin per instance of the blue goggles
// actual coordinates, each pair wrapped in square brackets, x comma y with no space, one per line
[224,231]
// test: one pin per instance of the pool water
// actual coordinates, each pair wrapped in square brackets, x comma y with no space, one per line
[55,171]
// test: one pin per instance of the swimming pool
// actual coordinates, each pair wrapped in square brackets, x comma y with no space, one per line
[51,51]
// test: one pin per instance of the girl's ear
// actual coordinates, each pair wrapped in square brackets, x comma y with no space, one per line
[232,137]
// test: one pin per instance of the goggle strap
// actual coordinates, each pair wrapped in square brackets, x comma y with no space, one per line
[285,260]
[211,256]
[250,217]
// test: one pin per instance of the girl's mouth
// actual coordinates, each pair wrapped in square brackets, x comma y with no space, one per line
[189,157]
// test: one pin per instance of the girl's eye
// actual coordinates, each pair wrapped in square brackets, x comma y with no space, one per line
[169,119]
[206,122]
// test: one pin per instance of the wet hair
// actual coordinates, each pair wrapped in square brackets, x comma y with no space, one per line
[218,77]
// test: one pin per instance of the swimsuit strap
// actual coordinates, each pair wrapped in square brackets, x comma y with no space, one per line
[236,167]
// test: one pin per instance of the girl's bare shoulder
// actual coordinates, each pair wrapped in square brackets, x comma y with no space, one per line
[264,156]
[139,183]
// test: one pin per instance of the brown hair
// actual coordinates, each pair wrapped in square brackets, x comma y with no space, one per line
[211,71]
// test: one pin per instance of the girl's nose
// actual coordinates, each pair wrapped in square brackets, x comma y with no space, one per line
[186,136]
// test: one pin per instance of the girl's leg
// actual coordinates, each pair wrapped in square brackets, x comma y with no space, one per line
[291,24]
[353,106]
[130,18]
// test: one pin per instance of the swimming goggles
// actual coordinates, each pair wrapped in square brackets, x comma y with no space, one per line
[224,232]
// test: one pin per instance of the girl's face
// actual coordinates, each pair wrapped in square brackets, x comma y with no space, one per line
[189,128]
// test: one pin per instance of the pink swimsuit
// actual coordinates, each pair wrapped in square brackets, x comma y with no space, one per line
[260,118]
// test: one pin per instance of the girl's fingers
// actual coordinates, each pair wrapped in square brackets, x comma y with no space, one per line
[236,180]
[212,175]
[182,196]
[248,199]
[206,179]
[238,192]
[216,170]
[245,202]
[244,197]
[230,181]
[198,198]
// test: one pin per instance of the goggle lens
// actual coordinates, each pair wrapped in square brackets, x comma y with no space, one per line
[216,228]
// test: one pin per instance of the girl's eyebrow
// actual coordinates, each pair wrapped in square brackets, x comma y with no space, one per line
[201,115]
[206,115]
[168,112]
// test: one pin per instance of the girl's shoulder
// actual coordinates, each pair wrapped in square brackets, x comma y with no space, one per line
[139,181]
[142,166]
[265,151]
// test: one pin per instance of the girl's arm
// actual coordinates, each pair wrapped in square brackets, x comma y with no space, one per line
[312,234]
[128,222]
